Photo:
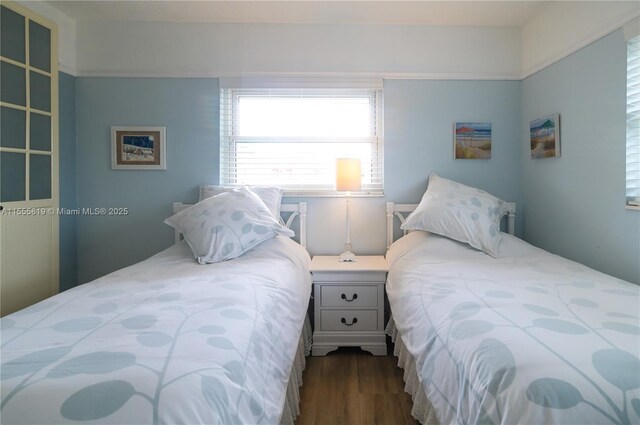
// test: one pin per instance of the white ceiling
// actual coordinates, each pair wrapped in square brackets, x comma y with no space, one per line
[474,12]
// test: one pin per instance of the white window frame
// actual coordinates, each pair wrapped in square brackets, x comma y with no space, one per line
[231,89]
[632,180]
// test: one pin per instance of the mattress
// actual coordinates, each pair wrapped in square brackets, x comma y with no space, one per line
[164,341]
[528,337]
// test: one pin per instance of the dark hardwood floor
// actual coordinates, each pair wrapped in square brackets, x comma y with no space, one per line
[352,387]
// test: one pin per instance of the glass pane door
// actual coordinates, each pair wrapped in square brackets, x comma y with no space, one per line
[28,158]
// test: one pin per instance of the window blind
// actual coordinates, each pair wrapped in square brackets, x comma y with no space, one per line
[633,122]
[291,137]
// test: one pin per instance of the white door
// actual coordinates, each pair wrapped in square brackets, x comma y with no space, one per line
[28,158]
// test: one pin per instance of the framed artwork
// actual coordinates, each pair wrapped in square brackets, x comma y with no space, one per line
[472,140]
[138,148]
[544,134]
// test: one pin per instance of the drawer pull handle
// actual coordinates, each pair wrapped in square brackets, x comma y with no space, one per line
[344,297]
[353,322]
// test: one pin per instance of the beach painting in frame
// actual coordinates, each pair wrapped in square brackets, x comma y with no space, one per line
[472,140]
[138,148]
[544,133]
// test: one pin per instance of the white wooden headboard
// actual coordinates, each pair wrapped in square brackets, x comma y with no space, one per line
[295,210]
[401,211]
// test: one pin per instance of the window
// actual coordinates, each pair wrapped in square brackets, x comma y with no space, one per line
[291,137]
[633,121]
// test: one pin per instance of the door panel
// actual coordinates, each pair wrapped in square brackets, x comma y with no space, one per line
[28,158]
[40,91]
[40,132]
[39,46]
[13,174]
[39,176]
[12,41]
[14,86]
[13,127]
[26,261]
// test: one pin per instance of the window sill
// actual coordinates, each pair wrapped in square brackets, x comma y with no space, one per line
[632,207]
[298,194]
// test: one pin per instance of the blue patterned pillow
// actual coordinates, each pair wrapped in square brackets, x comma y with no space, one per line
[226,226]
[459,212]
[270,195]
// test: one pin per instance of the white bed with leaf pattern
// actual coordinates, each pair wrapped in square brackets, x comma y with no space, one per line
[166,340]
[521,337]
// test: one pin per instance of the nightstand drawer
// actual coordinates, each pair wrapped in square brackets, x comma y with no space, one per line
[349,320]
[349,296]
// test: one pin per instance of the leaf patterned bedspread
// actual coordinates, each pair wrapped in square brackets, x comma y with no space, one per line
[163,341]
[527,338]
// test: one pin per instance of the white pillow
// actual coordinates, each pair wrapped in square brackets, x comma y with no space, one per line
[227,225]
[459,212]
[270,195]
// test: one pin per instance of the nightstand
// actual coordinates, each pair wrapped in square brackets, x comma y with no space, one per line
[349,304]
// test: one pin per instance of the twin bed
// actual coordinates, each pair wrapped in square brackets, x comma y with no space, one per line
[166,341]
[517,336]
[525,337]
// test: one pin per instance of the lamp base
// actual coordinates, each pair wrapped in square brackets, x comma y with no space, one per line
[347,257]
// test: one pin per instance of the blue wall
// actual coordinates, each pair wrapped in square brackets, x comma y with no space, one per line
[189,109]
[67,169]
[574,204]
[419,116]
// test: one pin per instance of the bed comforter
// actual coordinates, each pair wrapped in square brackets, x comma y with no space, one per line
[527,338]
[163,341]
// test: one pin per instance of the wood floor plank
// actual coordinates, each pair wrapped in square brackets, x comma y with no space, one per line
[337,403]
[340,364]
[379,375]
[313,367]
[407,405]
[381,409]
[308,397]
[352,387]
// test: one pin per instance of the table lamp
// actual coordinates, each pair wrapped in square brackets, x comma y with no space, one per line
[348,178]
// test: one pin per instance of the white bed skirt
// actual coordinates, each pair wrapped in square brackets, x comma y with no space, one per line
[292,401]
[422,410]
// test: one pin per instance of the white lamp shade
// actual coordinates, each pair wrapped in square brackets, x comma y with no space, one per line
[348,175]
